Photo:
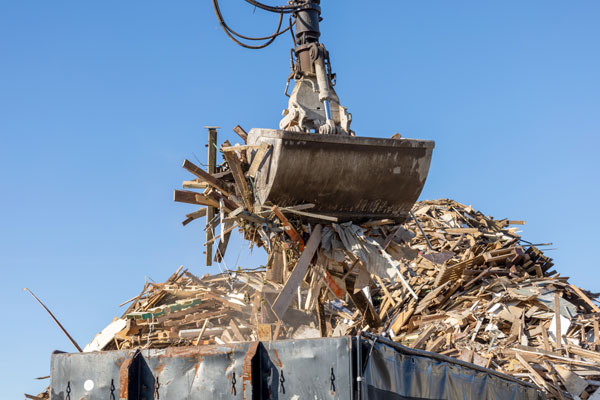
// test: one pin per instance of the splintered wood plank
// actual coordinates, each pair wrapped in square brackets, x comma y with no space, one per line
[363,305]
[385,290]
[402,318]
[236,331]
[282,302]
[257,161]
[436,344]
[241,148]
[187,196]
[195,215]
[206,177]
[536,376]
[241,133]
[585,298]
[235,166]
[276,266]
[545,340]
[423,337]
[573,382]
[202,330]
[222,247]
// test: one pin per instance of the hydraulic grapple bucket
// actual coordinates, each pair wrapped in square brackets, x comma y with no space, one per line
[348,177]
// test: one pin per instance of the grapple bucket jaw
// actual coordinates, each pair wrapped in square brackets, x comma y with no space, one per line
[348,177]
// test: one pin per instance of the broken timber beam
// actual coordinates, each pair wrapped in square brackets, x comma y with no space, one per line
[282,302]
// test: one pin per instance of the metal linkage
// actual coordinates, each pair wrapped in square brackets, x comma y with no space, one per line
[233,382]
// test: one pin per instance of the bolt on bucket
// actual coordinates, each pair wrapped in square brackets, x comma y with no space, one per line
[348,177]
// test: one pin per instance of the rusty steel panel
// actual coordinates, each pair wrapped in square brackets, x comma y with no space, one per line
[349,177]
[364,367]
[288,369]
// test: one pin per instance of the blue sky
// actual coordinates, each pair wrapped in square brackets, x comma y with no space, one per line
[100,102]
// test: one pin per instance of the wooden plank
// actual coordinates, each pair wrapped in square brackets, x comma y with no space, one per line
[402,318]
[313,215]
[188,196]
[596,334]
[236,331]
[423,337]
[282,302]
[224,241]
[257,161]
[594,355]
[545,340]
[574,384]
[238,176]
[557,320]
[381,222]
[205,176]
[385,290]
[195,215]
[277,265]
[460,231]
[363,305]
[585,298]
[436,344]
[241,133]
[210,211]
[241,148]
[195,184]
[202,330]
[536,376]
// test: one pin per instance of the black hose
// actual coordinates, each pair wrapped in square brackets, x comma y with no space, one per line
[231,33]
[277,9]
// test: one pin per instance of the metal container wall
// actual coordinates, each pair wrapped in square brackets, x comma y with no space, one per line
[394,372]
[289,369]
[349,177]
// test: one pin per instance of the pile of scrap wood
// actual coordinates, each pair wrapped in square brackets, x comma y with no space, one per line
[479,293]
[450,280]
[188,310]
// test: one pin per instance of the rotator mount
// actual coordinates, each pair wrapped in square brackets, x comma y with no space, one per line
[313,105]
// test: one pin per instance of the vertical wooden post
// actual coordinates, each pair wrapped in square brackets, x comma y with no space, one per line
[210,211]
[557,319]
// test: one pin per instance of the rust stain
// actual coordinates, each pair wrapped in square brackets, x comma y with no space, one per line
[124,375]
[159,368]
[196,351]
[278,359]
[247,366]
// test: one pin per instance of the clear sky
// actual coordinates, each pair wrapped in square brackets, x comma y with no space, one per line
[100,102]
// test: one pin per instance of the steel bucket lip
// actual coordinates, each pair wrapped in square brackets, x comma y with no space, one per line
[256,133]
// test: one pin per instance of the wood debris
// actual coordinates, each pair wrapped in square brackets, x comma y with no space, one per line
[450,280]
